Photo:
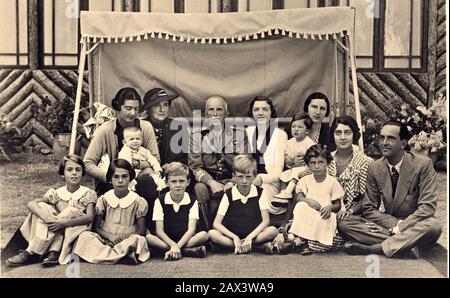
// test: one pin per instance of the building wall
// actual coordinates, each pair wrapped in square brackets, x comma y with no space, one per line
[380,93]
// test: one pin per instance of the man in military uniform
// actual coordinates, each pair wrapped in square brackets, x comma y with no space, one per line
[213,146]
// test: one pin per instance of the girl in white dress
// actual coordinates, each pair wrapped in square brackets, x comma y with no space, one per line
[318,200]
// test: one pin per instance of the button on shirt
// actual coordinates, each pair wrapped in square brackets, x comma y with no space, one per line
[236,195]
[158,212]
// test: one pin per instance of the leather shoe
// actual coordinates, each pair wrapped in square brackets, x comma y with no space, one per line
[353,248]
[51,260]
[22,259]
[194,252]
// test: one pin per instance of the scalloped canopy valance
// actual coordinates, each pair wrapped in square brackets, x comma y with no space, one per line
[219,28]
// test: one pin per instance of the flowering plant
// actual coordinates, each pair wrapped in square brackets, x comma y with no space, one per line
[427,126]
[10,135]
[56,117]
[370,133]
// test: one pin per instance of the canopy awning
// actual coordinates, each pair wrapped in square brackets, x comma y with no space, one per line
[310,23]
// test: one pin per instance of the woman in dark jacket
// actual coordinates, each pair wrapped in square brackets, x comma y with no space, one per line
[317,106]
[157,104]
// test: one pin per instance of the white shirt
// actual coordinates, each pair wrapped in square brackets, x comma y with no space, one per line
[397,166]
[158,212]
[236,195]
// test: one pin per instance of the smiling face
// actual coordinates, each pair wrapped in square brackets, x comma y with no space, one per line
[261,112]
[317,110]
[244,181]
[129,110]
[120,180]
[72,173]
[160,111]
[392,147]
[177,186]
[343,136]
[299,130]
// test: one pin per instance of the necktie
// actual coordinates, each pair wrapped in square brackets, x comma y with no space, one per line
[394,178]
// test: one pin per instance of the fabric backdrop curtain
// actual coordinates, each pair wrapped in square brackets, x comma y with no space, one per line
[299,58]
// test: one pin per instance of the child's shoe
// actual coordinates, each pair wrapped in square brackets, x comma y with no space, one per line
[22,259]
[285,248]
[266,248]
[280,203]
[194,252]
[160,183]
[284,195]
[51,260]
[301,246]
[132,185]
[132,257]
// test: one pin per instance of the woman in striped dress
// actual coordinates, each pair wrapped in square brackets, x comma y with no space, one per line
[349,166]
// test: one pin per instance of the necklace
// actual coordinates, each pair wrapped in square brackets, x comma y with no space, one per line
[341,164]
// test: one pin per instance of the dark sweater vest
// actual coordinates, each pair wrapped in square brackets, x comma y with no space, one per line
[242,219]
[176,223]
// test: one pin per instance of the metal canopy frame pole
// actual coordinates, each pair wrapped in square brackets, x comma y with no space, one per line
[78,97]
[355,90]
[91,84]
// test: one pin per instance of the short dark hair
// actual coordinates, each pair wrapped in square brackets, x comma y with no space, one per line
[316,151]
[273,112]
[121,164]
[123,94]
[303,116]
[72,157]
[316,95]
[404,133]
[345,120]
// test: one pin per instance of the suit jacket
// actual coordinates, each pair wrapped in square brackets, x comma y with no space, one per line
[415,198]
[209,162]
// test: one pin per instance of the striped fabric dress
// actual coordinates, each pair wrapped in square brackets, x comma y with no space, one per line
[353,179]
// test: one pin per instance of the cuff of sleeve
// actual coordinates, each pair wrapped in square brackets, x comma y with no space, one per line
[204,178]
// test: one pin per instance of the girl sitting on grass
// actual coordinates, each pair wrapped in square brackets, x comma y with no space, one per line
[318,201]
[119,224]
[58,218]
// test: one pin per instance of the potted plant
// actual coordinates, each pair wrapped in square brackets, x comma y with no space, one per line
[57,118]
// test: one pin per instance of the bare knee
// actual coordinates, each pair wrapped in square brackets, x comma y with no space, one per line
[271,231]
[214,234]
[204,236]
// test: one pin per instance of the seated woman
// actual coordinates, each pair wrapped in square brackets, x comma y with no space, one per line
[349,166]
[267,143]
[108,141]
[317,107]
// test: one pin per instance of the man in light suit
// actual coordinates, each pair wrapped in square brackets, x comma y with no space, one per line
[406,184]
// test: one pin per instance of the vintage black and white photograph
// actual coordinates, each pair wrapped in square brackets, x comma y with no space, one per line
[226,139]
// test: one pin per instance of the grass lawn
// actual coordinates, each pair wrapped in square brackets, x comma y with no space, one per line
[32,175]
